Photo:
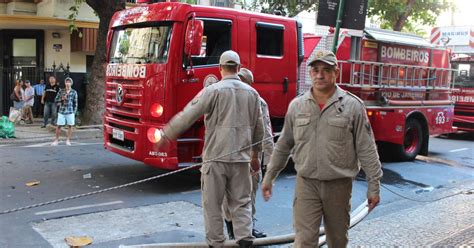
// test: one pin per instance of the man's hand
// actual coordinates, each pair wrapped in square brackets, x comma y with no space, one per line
[267,191]
[373,201]
[42,101]
[255,166]
[164,141]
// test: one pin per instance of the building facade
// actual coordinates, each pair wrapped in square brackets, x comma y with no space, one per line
[35,42]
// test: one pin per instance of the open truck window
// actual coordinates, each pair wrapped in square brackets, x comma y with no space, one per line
[216,39]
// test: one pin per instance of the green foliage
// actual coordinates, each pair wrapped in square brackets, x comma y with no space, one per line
[406,14]
[73,16]
[282,7]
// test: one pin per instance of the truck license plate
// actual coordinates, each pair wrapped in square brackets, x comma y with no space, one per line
[117,134]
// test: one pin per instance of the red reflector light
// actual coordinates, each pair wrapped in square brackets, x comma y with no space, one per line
[156,110]
[154,135]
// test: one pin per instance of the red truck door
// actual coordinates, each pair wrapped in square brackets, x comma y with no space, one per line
[217,38]
[273,61]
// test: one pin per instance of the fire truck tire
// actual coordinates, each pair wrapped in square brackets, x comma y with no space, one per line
[412,141]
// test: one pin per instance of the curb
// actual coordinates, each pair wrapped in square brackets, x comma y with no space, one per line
[47,134]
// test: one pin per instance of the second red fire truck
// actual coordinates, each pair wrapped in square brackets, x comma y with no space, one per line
[161,55]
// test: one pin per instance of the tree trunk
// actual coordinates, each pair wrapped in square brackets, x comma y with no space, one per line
[94,107]
[402,18]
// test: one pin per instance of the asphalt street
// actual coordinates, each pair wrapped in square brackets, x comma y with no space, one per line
[169,209]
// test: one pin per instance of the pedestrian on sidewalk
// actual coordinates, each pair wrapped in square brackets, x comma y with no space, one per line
[16,95]
[247,77]
[29,100]
[48,99]
[39,89]
[232,120]
[328,133]
[67,102]
[15,113]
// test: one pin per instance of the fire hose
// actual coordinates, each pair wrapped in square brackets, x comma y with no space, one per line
[356,216]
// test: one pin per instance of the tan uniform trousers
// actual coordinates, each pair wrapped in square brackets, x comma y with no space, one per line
[219,179]
[316,199]
[225,206]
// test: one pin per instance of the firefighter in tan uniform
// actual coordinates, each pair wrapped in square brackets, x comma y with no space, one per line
[247,77]
[328,133]
[233,120]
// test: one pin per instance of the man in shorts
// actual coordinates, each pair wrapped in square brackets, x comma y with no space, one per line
[67,102]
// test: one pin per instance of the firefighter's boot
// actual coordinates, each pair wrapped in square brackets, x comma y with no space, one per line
[258,234]
[230,229]
[245,243]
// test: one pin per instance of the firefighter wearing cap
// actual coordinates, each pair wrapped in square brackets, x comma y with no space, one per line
[233,120]
[328,134]
[247,77]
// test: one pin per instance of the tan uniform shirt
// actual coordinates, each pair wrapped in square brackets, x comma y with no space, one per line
[327,144]
[268,144]
[233,120]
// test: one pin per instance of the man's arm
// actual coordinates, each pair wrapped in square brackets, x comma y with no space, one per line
[42,96]
[258,134]
[268,144]
[200,105]
[75,102]
[58,99]
[366,151]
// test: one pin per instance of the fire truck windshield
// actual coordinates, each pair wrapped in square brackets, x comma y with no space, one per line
[140,45]
[464,77]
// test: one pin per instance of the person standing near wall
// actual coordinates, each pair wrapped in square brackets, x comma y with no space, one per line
[67,101]
[50,107]
[28,102]
[16,95]
[39,89]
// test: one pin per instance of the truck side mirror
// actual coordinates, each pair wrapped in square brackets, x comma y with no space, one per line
[194,32]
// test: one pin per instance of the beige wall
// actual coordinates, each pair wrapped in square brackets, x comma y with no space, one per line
[76,60]
[21,8]
[60,9]
[50,54]
[3,8]
[45,8]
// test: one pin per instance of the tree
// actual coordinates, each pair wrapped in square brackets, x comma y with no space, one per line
[94,107]
[400,14]
[105,9]
[281,7]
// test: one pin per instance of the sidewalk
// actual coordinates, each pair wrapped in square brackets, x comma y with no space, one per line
[34,133]
[448,222]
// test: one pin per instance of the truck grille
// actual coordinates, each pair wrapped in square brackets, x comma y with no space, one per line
[123,102]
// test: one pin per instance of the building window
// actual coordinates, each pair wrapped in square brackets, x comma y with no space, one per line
[221,3]
[270,39]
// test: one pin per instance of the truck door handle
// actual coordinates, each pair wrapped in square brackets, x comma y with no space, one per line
[285,85]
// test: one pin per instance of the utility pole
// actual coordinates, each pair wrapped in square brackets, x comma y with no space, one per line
[340,14]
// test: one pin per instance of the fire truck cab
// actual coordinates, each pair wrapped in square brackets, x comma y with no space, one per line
[463,93]
[161,55]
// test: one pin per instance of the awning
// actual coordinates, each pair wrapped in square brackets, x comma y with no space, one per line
[40,22]
[396,37]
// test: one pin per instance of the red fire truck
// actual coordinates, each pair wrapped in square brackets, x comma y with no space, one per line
[463,93]
[160,56]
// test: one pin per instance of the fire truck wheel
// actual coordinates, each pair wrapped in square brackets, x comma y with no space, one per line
[413,141]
